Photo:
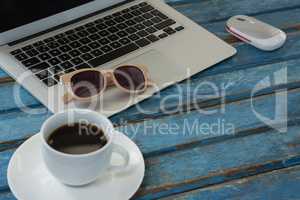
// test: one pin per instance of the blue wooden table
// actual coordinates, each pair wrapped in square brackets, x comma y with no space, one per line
[255,161]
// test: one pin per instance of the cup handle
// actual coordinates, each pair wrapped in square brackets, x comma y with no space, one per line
[126,156]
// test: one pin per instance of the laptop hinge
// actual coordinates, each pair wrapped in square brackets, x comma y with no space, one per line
[67,23]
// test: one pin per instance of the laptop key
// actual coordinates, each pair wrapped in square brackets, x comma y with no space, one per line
[159,14]
[136,13]
[151,30]
[115,45]
[54,61]
[152,38]
[77,61]
[163,35]
[146,8]
[179,28]
[143,42]
[55,52]
[66,65]
[134,37]
[130,23]
[39,67]
[104,33]
[128,16]
[63,41]
[43,74]
[83,33]
[165,24]
[61,35]
[122,34]
[26,48]
[50,39]
[84,49]
[55,69]
[50,82]
[64,57]
[142,33]
[30,62]
[131,30]
[124,41]
[96,53]
[103,41]
[75,44]
[94,45]
[113,29]
[156,20]
[90,24]
[106,48]
[94,37]
[53,45]
[92,30]
[101,26]
[113,55]
[42,49]
[32,52]
[139,19]
[15,52]
[70,70]
[85,40]
[21,56]
[169,30]
[73,37]
[74,53]
[121,26]
[147,16]
[87,57]
[119,19]
[110,23]
[148,23]
[83,66]
[113,37]
[44,56]
[139,26]
[69,32]
[65,48]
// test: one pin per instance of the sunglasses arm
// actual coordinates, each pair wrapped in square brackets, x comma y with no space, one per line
[67,98]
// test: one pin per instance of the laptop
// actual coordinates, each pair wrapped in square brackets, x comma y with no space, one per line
[41,40]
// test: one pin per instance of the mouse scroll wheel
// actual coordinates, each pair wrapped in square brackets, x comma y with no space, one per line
[241,19]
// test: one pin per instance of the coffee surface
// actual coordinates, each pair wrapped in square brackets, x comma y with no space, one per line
[77,138]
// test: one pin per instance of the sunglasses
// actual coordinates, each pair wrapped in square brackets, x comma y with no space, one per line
[88,83]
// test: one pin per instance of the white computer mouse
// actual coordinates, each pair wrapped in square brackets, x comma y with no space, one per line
[256,32]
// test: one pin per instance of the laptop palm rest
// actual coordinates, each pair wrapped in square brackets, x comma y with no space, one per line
[115,100]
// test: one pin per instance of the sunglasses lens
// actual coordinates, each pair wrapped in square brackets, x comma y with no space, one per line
[87,83]
[130,77]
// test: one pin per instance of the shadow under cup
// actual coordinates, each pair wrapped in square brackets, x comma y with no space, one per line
[77,169]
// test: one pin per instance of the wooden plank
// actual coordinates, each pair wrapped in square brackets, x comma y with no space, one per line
[154,139]
[276,185]
[7,196]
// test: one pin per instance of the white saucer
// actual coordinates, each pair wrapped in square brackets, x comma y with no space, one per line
[29,179]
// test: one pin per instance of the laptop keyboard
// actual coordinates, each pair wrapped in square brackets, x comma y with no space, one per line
[96,43]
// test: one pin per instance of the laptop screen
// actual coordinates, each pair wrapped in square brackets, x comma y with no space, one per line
[15,13]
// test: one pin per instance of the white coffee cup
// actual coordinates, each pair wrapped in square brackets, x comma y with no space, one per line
[82,169]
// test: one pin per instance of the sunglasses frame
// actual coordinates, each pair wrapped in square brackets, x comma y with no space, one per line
[109,80]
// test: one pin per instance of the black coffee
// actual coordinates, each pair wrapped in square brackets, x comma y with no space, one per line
[77,139]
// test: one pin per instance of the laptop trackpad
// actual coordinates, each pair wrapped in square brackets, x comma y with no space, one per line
[163,72]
